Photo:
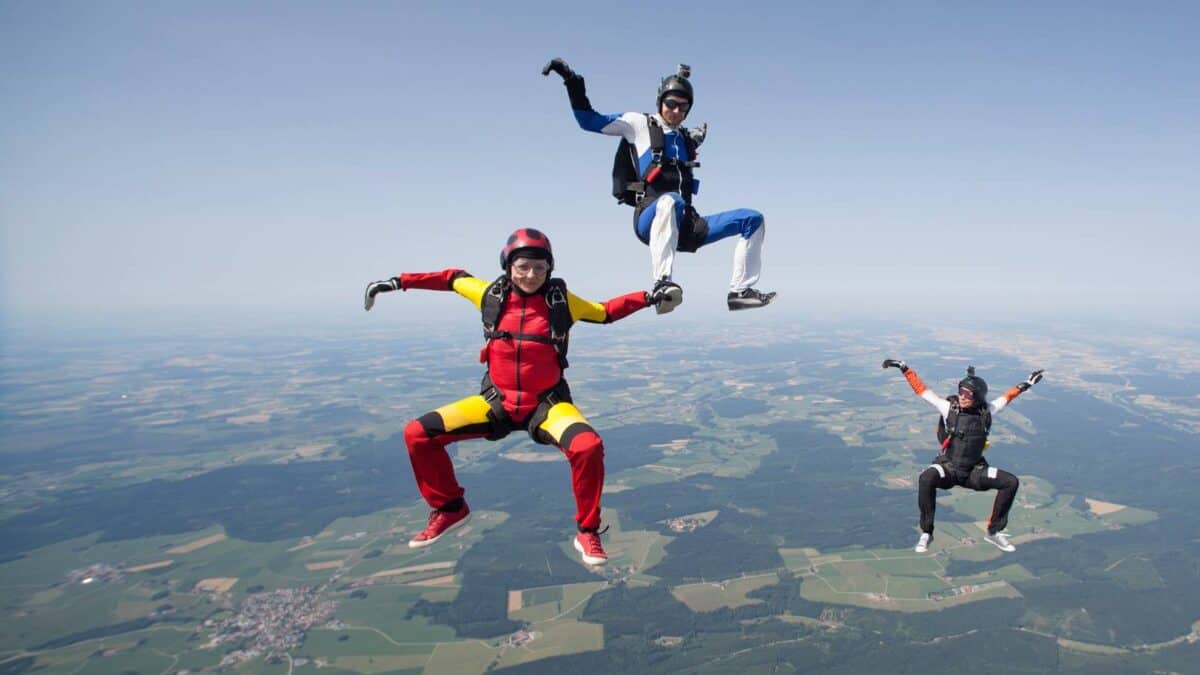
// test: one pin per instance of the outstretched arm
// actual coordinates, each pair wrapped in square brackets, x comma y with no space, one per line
[1000,402]
[612,310]
[455,280]
[586,116]
[919,387]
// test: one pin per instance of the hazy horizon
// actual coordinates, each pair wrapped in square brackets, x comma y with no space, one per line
[251,163]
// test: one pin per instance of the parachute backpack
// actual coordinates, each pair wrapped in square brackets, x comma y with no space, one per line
[628,183]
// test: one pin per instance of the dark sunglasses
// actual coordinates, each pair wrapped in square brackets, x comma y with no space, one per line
[966,393]
[677,104]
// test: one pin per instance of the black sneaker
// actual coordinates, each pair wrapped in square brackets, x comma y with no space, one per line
[749,299]
[666,296]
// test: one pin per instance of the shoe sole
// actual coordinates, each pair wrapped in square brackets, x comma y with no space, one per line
[587,558]
[413,543]
[674,298]
[756,305]
[745,307]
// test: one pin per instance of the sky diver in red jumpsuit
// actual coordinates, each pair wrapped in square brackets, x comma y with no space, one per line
[526,317]
[963,432]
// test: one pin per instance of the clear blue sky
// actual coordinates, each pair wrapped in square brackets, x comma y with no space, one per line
[268,159]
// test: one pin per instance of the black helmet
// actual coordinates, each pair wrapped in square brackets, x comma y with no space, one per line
[528,242]
[974,384]
[677,83]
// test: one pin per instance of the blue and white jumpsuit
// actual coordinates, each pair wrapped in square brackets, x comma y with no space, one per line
[658,223]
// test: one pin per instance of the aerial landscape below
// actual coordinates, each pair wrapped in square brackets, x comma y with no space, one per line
[194,504]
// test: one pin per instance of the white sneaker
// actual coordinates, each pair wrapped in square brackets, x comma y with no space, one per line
[923,542]
[1001,541]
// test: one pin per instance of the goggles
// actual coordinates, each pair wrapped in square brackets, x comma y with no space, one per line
[527,266]
[677,104]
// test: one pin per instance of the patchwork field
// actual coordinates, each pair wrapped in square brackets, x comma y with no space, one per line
[706,597]
[784,464]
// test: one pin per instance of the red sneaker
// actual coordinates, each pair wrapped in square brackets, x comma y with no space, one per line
[588,545]
[440,522]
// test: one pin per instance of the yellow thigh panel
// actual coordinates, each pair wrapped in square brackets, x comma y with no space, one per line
[468,411]
[561,416]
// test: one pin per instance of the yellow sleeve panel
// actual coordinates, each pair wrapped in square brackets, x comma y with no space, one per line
[471,288]
[585,310]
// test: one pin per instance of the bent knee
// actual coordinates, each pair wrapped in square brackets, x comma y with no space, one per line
[585,443]
[1004,480]
[588,443]
[754,222]
[415,433]
[929,477]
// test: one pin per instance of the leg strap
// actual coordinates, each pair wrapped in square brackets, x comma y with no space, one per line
[692,231]
[502,424]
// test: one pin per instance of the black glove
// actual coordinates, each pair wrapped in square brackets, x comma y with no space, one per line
[1034,378]
[698,134]
[559,66]
[896,363]
[376,287]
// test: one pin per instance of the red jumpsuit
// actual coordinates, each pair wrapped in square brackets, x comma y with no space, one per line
[524,372]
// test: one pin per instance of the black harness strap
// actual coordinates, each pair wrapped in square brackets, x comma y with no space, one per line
[554,291]
[948,426]
[492,305]
[658,143]
[502,424]
[630,183]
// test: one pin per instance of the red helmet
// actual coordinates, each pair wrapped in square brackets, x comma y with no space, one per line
[528,241]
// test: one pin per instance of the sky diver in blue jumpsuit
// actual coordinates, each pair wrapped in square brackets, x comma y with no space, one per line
[661,192]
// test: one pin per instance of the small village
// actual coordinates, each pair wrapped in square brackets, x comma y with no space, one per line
[271,624]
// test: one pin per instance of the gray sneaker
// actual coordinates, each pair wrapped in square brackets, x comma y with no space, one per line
[1000,540]
[666,296]
[748,299]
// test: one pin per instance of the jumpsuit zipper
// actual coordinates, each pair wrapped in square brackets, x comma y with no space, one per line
[520,329]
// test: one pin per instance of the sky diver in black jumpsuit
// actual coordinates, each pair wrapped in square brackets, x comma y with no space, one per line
[661,154]
[966,418]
